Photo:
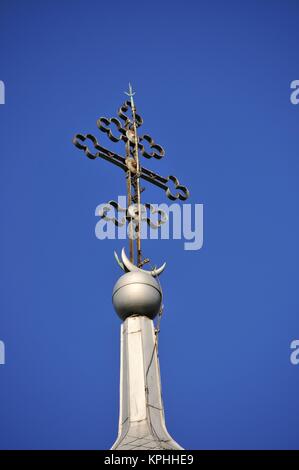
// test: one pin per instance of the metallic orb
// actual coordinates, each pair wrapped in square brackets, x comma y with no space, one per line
[137,293]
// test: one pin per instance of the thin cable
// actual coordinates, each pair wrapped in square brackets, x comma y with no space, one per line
[155,348]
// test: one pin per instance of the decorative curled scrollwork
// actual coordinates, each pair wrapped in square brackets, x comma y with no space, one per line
[131,214]
[162,216]
[78,142]
[104,126]
[125,134]
[183,192]
[84,142]
[106,208]
[122,114]
[158,150]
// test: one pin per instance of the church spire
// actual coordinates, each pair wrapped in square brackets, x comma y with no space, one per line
[137,295]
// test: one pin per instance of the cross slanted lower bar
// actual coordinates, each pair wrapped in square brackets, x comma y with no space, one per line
[127,131]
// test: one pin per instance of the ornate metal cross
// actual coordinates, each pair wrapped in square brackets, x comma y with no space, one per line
[127,131]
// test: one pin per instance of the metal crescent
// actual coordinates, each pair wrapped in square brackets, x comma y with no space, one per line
[131,267]
[120,264]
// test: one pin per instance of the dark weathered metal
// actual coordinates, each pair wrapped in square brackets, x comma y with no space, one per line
[125,130]
[104,126]
[148,175]
[113,205]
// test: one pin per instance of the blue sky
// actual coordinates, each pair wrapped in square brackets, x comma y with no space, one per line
[213,86]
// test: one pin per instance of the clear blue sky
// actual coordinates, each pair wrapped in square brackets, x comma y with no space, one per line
[213,85]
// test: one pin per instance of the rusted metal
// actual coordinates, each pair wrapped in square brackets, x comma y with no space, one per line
[127,132]
[80,140]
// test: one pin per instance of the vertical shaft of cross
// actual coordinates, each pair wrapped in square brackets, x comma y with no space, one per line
[129,202]
[137,181]
[138,240]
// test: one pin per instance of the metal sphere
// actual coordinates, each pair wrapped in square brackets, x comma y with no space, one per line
[137,293]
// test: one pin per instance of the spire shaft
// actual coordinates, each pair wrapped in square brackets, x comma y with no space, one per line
[141,420]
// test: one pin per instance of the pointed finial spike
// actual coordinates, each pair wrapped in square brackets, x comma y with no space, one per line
[130,94]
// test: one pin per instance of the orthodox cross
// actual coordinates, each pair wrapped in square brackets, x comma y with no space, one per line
[130,163]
